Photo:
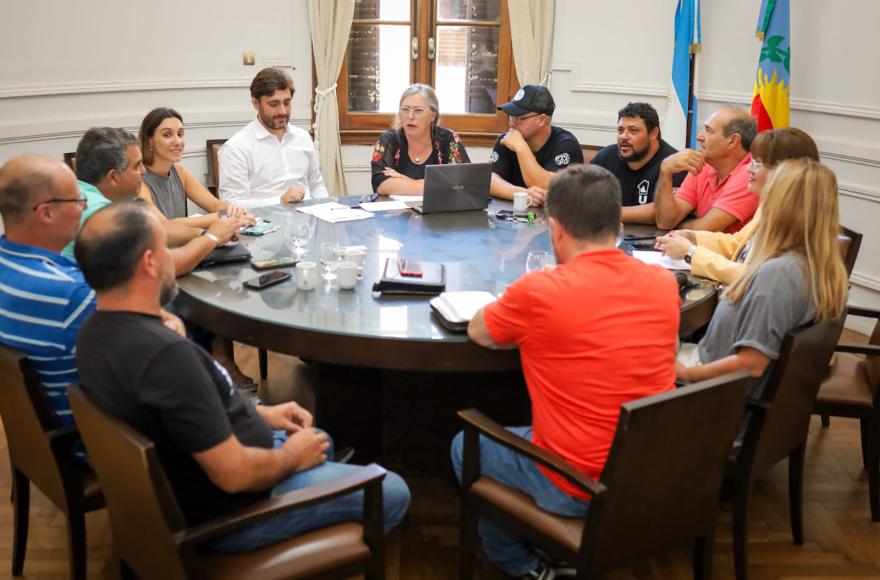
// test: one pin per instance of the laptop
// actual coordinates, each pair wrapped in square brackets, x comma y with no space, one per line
[455,187]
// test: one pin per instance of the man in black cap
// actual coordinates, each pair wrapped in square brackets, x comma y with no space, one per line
[527,156]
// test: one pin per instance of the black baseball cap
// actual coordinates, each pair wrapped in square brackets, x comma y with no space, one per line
[530,99]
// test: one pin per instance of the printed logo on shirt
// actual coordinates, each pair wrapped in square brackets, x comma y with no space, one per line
[562,159]
[493,157]
[643,188]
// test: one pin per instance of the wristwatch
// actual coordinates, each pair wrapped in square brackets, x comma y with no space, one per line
[690,255]
[211,236]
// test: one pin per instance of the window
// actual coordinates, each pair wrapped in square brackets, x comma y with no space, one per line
[460,47]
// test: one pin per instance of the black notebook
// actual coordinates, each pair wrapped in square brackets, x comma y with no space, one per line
[226,255]
[432,280]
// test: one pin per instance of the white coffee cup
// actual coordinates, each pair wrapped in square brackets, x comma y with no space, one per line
[358,256]
[520,202]
[347,275]
[306,275]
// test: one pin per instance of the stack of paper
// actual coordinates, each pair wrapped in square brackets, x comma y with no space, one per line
[660,259]
[460,307]
[335,212]
[383,205]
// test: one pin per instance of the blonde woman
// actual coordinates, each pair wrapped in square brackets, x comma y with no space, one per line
[723,257]
[794,276]
[417,140]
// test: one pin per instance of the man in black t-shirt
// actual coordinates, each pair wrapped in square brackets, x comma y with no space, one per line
[527,156]
[635,161]
[220,452]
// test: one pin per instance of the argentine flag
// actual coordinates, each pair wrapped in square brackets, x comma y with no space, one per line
[688,37]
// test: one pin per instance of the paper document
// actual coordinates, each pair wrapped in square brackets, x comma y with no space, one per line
[416,198]
[383,205]
[335,212]
[658,258]
[462,306]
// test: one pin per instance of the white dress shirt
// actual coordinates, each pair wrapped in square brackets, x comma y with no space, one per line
[256,168]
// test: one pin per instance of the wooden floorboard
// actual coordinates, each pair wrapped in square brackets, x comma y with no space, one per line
[841,541]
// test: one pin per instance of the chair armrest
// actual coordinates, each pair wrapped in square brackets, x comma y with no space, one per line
[362,478]
[757,406]
[858,348]
[476,420]
[862,311]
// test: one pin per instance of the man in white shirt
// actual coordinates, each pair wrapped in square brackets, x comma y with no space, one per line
[270,161]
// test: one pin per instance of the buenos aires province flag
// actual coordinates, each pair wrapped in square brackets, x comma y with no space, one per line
[688,36]
[771,97]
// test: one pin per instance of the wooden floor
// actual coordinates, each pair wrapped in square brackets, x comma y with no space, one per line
[841,541]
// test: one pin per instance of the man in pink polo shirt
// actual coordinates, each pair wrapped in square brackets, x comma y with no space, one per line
[716,190]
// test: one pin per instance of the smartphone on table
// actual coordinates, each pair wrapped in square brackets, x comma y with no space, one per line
[259,229]
[266,280]
[409,268]
[272,263]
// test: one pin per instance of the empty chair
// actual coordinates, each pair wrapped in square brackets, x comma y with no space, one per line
[852,389]
[777,427]
[659,487]
[153,540]
[40,452]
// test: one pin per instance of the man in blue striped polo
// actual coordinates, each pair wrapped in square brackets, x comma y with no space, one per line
[43,296]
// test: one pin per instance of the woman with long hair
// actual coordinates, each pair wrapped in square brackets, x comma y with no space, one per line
[794,276]
[723,257]
[415,141]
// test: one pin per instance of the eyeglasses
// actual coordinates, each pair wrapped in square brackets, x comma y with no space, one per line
[520,119]
[755,165]
[415,112]
[82,201]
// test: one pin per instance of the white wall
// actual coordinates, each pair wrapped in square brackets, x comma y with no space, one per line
[69,65]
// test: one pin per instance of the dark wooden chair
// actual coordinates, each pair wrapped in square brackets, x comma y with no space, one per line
[589,152]
[659,488]
[70,160]
[849,241]
[40,452]
[778,421]
[153,540]
[852,389]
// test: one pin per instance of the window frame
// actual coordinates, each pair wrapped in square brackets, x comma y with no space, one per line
[478,129]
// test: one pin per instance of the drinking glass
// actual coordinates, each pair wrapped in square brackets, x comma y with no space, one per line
[301,236]
[537,260]
[331,254]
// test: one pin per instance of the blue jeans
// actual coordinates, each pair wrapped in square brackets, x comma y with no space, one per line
[395,498]
[513,555]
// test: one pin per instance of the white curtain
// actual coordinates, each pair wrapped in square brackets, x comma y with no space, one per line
[531,31]
[331,25]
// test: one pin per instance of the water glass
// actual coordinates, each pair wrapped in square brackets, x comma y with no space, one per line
[537,260]
[301,236]
[331,254]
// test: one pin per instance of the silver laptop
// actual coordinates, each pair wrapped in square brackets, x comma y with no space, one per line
[455,187]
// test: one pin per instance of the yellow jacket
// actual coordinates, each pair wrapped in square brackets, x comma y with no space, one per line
[716,254]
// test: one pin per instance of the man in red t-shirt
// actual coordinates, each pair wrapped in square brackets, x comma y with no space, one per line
[717,188]
[595,332]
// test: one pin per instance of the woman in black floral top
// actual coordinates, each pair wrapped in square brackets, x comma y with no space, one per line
[401,153]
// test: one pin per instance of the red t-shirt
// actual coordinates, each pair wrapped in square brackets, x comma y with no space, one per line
[703,192]
[593,334]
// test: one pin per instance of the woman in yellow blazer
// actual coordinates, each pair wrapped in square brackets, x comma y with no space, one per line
[723,257]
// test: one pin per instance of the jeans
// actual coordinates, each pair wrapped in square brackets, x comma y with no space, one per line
[395,501]
[513,555]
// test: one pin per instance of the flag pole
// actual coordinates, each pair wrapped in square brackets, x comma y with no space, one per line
[690,111]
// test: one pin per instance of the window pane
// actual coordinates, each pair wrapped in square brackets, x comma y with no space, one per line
[468,10]
[467,69]
[378,67]
[385,9]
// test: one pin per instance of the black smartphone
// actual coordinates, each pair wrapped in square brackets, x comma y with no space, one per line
[266,280]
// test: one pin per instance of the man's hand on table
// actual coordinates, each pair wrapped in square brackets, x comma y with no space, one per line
[294,194]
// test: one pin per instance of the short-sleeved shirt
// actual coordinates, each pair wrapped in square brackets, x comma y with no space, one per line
[561,150]
[732,195]
[593,334]
[392,150]
[637,186]
[43,302]
[167,192]
[173,392]
[96,201]
[776,302]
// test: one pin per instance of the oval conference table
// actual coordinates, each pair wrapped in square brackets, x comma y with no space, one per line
[350,335]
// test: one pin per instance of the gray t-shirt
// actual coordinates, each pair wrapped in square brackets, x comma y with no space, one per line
[168,193]
[777,301]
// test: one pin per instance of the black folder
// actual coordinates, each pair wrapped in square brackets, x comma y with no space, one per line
[226,255]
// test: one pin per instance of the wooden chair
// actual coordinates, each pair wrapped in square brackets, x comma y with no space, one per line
[778,421]
[70,160]
[659,488]
[589,152]
[213,156]
[852,389]
[40,452]
[153,540]
[849,241]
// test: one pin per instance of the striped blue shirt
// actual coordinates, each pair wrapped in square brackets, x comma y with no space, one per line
[43,302]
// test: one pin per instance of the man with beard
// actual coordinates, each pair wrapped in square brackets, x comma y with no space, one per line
[270,161]
[636,159]
[220,452]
